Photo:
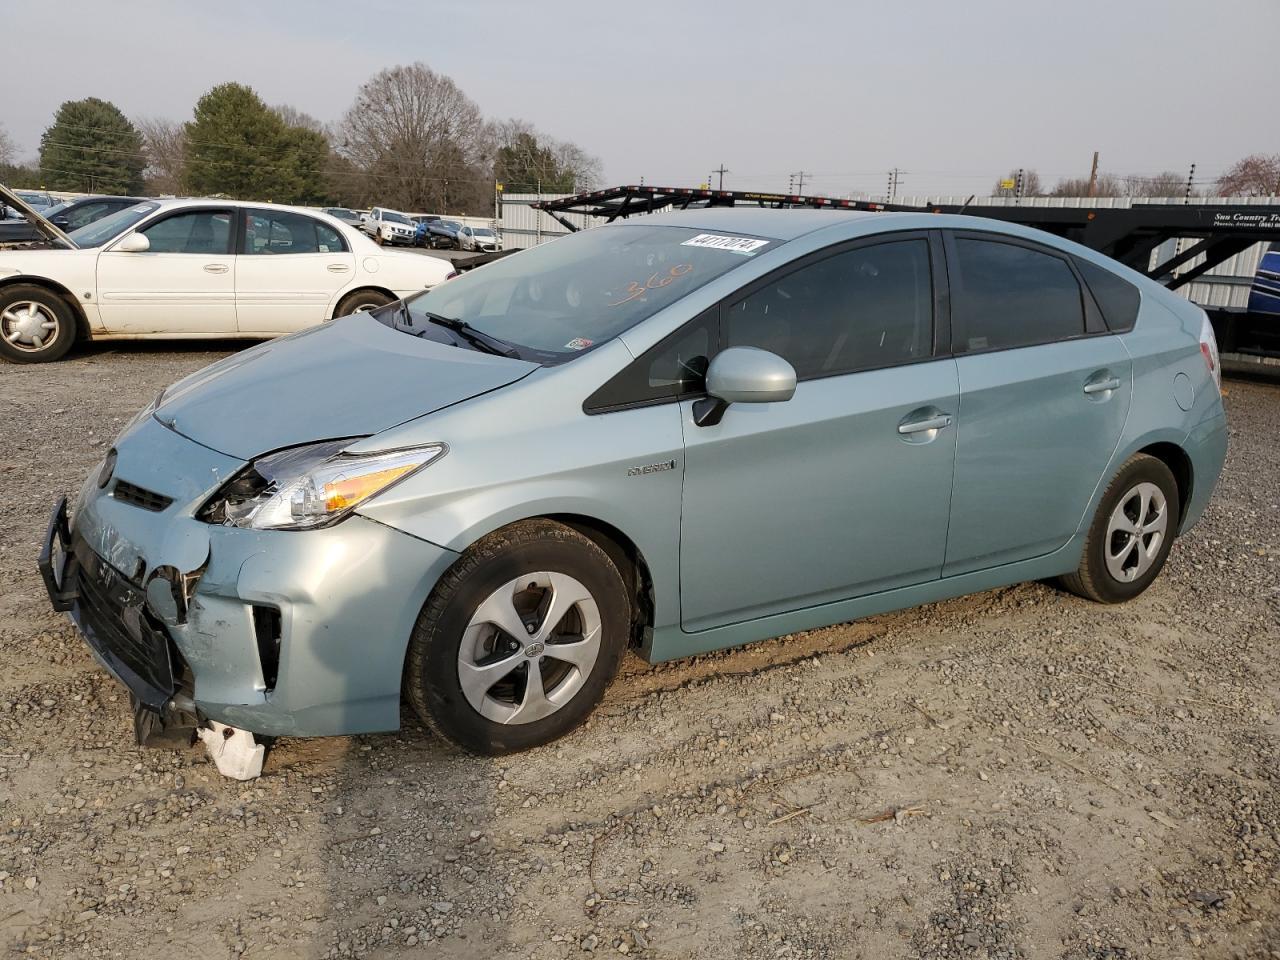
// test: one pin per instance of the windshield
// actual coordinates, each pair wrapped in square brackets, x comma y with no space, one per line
[100,231]
[34,199]
[396,218]
[451,224]
[482,232]
[553,301]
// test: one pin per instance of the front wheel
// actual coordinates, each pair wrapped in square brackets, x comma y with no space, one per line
[1131,534]
[518,640]
[36,325]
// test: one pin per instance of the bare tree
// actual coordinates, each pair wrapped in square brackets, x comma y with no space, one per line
[1031,185]
[1257,175]
[419,139]
[8,150]
[165,144]
[1108,185]
[1167,184]
[293,117]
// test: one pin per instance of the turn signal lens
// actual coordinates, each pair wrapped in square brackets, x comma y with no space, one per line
[346,492]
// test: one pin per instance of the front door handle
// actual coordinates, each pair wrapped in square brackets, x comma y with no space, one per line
[1102,386]
[338,268]
[920,426]
[216,268]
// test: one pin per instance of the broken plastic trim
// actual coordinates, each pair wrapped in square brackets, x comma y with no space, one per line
[234,752]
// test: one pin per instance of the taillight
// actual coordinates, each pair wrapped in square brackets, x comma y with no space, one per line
[1209,348]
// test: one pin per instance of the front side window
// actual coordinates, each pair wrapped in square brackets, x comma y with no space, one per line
[282,232]
[556,300]
[862,309]
[1005,296]
[196,231]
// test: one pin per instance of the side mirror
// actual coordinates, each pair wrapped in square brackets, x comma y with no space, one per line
[61,222]
[744,375]
[134,243]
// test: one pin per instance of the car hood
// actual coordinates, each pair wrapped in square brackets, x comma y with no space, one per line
[352,377]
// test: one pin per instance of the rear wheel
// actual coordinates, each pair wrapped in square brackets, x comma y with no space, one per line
[1131,534]
[361,301]
[36,325]
[517,642]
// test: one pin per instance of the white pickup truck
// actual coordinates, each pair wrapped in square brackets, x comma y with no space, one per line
[388,226]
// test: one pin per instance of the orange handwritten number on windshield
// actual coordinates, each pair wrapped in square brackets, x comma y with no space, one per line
[636,290]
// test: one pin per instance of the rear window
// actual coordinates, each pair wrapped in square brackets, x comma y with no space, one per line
[1118,299]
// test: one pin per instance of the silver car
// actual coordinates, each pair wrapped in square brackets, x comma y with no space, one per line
[669,435]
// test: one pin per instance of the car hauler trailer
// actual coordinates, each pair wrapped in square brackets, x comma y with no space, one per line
[1211,234]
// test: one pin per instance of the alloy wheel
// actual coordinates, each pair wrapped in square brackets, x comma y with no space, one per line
[1136,531]
[27,325]
[529,648]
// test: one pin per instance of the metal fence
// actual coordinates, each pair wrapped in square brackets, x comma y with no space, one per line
[1226,285]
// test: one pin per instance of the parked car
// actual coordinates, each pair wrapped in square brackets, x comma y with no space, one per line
[36,199]
[71,215]
[478,238]
[675,434]
[349,217]
[421,233]
[193,268]
[444,233]
[388,226]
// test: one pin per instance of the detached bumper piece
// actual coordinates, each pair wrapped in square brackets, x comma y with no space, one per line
[110,611]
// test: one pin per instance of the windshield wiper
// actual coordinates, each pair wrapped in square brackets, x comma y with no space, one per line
[477,338]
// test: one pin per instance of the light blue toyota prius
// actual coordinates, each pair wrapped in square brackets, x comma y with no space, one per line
[673,435]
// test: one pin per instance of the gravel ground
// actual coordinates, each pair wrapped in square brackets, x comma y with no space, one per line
[1015,774]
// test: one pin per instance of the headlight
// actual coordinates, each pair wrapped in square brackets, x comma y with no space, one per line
[313,486]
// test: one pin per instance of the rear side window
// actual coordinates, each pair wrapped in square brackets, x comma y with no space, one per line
[1005,296]
[863,309]
[280,231]
[675,368]
[1118,299]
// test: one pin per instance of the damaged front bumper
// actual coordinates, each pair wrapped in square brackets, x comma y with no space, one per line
[297,633]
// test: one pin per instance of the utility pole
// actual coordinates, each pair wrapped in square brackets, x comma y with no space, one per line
[1191,179]
[892,190]
[1017,186]
[1093,176]
[721,170]
[798,180]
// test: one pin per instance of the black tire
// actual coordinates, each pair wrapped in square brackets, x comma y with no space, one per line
[16,301]
[1094,579]
[361,301]
[431,679]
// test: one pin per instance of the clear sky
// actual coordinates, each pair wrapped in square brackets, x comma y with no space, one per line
[953,92]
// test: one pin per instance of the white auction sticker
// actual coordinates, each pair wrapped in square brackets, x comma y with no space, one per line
[747,245]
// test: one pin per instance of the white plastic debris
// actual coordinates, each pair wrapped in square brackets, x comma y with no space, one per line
[233,751]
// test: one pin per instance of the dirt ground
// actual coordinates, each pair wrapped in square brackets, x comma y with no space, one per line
[1017,774]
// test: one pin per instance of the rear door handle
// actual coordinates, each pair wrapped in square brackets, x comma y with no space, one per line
[338,268]
[216,268]
[1102,386]
[919,426]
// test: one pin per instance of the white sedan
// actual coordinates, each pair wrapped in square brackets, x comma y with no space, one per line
[193,268]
